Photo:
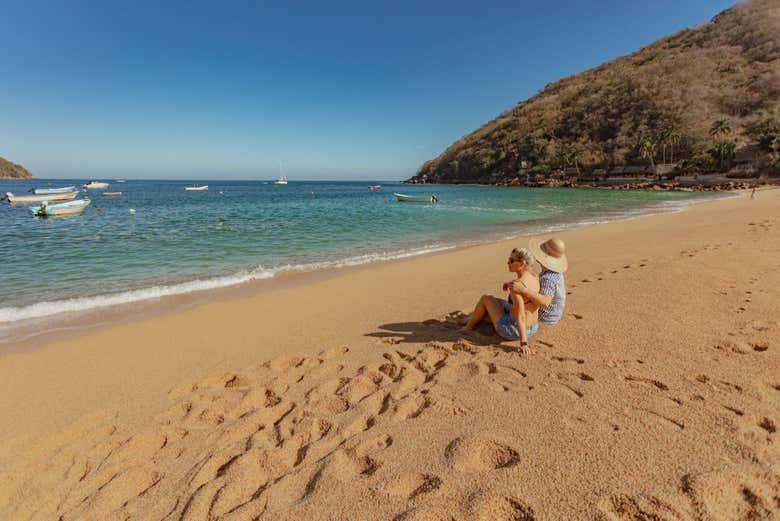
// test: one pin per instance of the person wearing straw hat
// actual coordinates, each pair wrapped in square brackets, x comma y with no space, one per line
[512,319]
[551,297]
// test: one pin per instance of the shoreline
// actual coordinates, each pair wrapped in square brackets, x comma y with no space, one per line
[355,395]
[29,333]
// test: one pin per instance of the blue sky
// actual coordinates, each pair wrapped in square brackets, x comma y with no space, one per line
[335,90]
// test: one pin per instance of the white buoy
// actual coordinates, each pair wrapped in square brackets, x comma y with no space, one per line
[132,211]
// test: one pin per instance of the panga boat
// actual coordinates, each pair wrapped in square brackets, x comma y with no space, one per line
[66,196]
[374,187]
[58,209]
[112,193]
[96,185]
[197,188]
[46,191]
[416,199]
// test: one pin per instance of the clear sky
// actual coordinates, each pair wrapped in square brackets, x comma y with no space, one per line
[356,90]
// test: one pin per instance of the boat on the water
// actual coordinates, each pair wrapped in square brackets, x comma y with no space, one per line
[58,209]
[96,185]
[374,187]
[196,188]
[119,180]
[401,198]
[45,191]
[39,198]
[282,180]
[112,193]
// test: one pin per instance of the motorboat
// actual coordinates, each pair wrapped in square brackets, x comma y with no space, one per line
[112,193]
[39,198]
[401,198]
[60,209]
[96,185]
[47,191]
[374,187]
[196,188]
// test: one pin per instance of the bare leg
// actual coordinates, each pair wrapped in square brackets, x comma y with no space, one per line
[478,314]
[487,307]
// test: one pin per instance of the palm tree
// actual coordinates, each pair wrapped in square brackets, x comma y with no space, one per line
[673,138]
[647,148]
[720,128]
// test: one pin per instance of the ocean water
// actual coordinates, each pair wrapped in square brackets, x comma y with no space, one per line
[180,241]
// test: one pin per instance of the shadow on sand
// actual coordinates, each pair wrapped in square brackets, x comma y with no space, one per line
[447,329]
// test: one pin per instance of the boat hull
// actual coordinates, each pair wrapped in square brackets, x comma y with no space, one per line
[196,188]
[96,185]
[401,198]
[60,209]
[69,196]
[47,191]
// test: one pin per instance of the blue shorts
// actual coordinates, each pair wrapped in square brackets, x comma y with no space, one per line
[507,327]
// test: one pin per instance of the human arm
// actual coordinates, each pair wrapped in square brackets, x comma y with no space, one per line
[540,299]
[518,314]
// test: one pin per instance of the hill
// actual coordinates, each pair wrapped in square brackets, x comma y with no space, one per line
[12,170]
[704,99]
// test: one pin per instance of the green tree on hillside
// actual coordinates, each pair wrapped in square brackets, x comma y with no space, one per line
[720,128]
[647,148]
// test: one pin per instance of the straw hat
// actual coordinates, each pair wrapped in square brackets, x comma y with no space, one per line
[550,253]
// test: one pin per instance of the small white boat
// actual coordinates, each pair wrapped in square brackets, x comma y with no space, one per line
[196,188]
[45,191]
[112,193]
[374,187]
[66,196]
[401,198]
[119,180]
[59,209]
[96,185]
[282,178]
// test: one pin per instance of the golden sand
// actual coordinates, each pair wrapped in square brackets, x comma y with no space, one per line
[657,396]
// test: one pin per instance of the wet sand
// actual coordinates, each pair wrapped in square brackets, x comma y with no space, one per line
[355,397]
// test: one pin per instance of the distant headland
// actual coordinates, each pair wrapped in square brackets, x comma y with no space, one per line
[697,109]
[9,170]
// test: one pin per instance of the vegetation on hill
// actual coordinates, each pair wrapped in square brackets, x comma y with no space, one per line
[697,99]
[12,170]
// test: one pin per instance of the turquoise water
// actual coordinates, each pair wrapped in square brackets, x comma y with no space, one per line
[180,241]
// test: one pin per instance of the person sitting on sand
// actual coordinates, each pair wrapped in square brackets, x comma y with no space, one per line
[513,319]
[551,297]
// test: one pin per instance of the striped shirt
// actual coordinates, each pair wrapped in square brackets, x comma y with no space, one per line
[551,283]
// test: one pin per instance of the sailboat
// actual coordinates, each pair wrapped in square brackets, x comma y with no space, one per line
[282,178]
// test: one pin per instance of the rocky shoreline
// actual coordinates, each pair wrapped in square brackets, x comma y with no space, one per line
[697,183]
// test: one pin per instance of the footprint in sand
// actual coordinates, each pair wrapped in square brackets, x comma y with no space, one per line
[768,425]
[568,359]
[575,315]
[649,381]
[410,486]
[502,508]
[479,454]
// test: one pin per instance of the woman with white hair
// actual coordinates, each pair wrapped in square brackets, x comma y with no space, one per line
[513,319]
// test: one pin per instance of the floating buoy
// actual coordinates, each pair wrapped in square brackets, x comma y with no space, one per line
[132,211]
[99,209]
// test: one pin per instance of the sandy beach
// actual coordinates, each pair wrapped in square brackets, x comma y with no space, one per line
[355,397]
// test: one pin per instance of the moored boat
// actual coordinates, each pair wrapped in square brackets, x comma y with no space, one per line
[196,188]
[39,198]
[374,187]
[282,180]
[112,193]
[46,191]
[59,209]
[96,185]
[401,198]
